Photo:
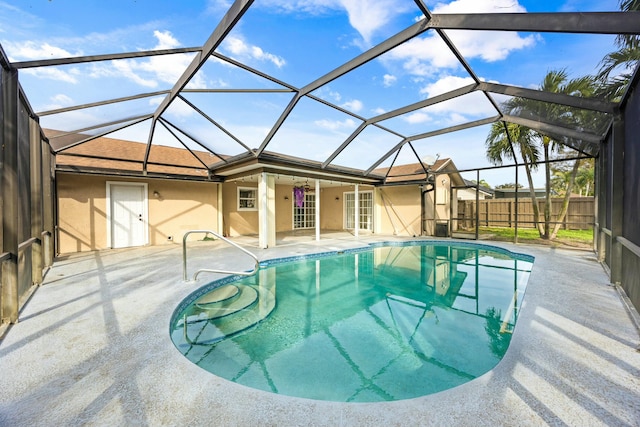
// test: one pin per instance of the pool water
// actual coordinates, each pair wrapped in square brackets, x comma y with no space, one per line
[390,323]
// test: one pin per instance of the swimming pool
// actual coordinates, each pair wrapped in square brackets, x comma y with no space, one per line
[390,322]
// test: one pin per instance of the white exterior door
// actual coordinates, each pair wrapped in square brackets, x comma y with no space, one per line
[128,214]
[365,209]
[305,216]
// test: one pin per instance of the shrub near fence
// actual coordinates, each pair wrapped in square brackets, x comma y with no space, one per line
[502,213]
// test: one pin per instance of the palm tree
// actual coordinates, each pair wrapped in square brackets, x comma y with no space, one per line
[585,178]
[626,58]
[556,81]
[559,180]
[501,146]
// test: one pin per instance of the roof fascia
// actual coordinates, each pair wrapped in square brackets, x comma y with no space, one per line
[267,162]
[83,170]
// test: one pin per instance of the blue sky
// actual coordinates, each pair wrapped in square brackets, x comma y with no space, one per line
[296,42]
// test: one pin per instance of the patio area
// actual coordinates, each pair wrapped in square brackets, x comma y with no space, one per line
[92,347]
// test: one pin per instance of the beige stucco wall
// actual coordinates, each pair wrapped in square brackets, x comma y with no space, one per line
[82,213]
[443,203]
[182,206]
[238,223]
[400,212]
[284,208]
[332,210]
[82,220]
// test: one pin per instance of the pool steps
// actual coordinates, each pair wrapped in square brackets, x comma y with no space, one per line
[241,306]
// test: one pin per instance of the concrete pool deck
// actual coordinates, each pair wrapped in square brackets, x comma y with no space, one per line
[92,347]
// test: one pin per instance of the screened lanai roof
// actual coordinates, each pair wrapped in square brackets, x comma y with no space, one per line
[333,87]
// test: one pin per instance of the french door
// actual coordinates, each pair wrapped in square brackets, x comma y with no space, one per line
[305,216]
[365,207]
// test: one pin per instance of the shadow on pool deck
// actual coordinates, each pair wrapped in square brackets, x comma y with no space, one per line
[93,347]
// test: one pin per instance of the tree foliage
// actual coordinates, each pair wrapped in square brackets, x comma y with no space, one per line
[623,61]
[505,140]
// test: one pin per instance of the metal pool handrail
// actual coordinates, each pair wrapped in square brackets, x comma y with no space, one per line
[195,275]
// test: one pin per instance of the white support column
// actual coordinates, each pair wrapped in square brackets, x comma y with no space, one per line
[219,208]
[266,211]
[356,196]
[317,210]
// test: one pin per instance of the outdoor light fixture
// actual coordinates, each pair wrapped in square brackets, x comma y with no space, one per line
[156,194]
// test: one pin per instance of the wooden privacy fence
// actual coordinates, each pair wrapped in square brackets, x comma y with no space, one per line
[502,213]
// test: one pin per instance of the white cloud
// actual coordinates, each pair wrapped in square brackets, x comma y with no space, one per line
[62,99]
[148,72]
[417,117]
[52,74]
[367,16]
[456,118]
[126,69]
[479,6]
[445,84]
[143,72]
[335,124]
[178,107]
[488,45]
[169,68]
[379,111]
[473,104]
[214,7]
[326,93]
[242,50]
[424,56]
[313,7]
[30,50]
[57,101]
[353,105]
[389,80]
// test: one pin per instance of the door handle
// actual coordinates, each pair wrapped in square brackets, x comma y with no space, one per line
[140,217]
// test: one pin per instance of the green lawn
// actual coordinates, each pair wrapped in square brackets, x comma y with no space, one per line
[581,238]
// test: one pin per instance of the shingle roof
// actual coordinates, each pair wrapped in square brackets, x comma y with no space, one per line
[109,154]
[411,171]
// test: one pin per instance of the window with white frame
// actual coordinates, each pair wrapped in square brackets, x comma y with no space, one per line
[366,210]
[247,199]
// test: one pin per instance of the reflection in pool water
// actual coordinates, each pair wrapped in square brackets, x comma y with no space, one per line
[389,323]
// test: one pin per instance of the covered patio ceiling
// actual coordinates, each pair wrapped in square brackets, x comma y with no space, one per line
[255,119]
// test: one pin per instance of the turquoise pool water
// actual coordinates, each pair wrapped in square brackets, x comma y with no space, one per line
[388,323]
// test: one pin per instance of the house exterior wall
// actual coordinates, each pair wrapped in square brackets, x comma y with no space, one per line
[469,194]
[332,210]
[400,212]
[284,208]
[237,222]
[82,210]
[186,205]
